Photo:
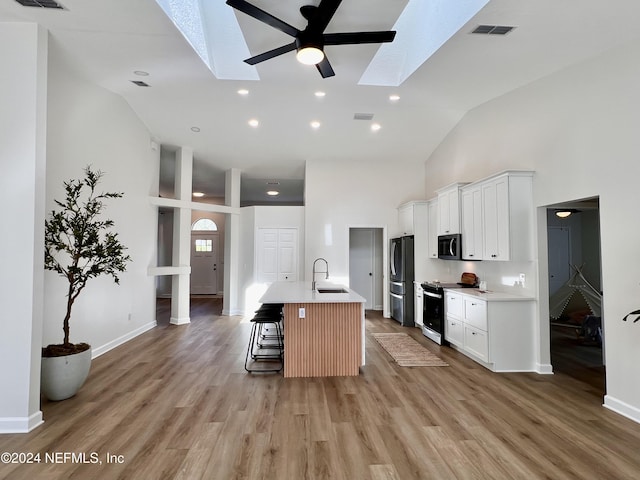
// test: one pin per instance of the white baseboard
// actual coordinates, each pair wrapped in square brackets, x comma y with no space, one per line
[21,424]
[179,320]
[622,408]
[233,313]
[544,368]
[96,352]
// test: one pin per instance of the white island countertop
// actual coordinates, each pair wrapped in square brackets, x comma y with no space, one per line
[300,292]
[491,295]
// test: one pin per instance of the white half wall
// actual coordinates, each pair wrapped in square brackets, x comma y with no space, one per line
[578,129]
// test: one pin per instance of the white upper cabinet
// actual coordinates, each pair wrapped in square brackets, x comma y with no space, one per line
[413,220]
[472,230]
[507,216]
[497,217]
[432,242]
[449,209]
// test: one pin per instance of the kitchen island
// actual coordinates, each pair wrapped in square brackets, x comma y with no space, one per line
[323,332]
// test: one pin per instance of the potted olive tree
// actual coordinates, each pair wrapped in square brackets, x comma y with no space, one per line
[78,245]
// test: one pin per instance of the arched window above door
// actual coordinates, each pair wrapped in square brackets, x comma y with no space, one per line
[205,224]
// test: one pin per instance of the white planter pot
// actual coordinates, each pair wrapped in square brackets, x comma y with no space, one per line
[62,377]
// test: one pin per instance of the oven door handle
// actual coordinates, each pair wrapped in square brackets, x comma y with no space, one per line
[434,295]
[395,295]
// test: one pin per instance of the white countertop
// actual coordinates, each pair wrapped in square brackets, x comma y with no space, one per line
[490,295]
[300,292]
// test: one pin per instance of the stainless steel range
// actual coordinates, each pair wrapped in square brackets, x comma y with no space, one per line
[433,314]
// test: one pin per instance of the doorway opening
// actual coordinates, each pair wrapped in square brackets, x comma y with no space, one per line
[575,292]
[366,265]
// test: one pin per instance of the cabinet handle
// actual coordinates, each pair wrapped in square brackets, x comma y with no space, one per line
[494,256]
[471,255]
[473,333]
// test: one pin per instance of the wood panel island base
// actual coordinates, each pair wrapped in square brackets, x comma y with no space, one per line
[326,338]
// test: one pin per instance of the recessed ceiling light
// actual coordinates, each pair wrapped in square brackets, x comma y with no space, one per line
[141,73]
[243,91]
[394,97]
[254,122]
[198,194]
[319,94]
[273,193]
[195,129]
[375,127]
[315,124]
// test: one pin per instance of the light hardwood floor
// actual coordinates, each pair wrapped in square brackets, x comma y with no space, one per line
[176,403]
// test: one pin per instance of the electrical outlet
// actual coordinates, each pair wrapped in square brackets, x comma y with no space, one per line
[301,313]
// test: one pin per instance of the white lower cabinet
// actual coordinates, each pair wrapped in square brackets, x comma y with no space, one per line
[418,307]
[476,342]
[454,331]
[496,331]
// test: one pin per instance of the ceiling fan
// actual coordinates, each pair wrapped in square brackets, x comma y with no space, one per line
[309,43]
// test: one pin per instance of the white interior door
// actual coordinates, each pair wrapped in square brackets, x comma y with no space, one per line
[365,264]
[277,255]
[204,263]
[559,257]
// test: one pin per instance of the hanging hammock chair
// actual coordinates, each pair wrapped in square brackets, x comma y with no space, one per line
[576,284]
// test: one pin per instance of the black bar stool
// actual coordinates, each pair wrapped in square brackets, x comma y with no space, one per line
[266,340]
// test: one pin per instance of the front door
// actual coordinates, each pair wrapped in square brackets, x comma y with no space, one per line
[204,263]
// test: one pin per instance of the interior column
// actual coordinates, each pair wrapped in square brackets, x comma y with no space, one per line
[23,96]
[230,303]
[180,288]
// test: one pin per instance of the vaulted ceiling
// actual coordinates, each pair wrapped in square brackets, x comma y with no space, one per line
[107,41]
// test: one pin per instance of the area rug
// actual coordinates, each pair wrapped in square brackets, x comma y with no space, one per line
[407,352]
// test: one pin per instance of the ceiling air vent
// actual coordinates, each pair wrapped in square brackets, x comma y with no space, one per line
[140,83]
[492,29]
[40,3]
[363,116]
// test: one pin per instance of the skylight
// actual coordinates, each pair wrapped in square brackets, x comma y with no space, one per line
[423,27]
[212,30]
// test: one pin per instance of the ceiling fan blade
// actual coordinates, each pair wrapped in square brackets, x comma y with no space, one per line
[259,14]
[324,67]
[271,53]
[323,15]
[358,37]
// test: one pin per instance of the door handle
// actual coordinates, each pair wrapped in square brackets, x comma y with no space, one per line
[371,274]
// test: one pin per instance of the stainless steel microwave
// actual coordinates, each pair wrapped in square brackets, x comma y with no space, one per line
[450,247]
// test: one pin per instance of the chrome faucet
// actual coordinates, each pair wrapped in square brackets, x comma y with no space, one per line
[313,283]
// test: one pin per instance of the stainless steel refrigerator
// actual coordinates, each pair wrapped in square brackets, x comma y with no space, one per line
[402,276]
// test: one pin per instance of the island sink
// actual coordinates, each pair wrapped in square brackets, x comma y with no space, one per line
[331,290]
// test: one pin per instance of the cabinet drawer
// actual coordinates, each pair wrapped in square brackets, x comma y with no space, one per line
[476,342]
[453,304]
[454,331]
[475,313]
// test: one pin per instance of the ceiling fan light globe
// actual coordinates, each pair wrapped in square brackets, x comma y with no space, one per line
[310,55]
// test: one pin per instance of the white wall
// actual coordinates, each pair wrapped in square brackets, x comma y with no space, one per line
[23,96]
[578,129]
[252,218]
[342,194]
[89,125]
